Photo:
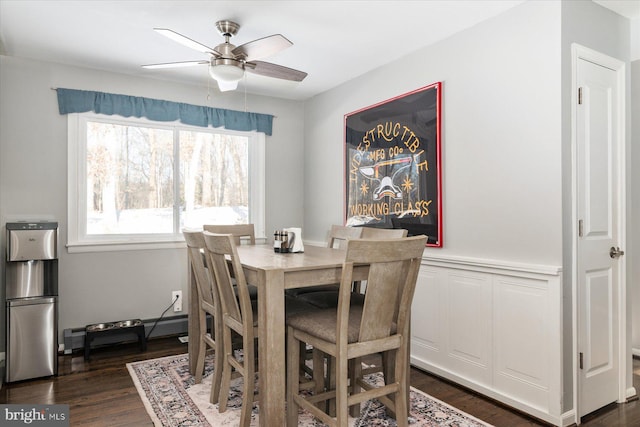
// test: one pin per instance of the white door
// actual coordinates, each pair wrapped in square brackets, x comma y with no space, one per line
[599,150]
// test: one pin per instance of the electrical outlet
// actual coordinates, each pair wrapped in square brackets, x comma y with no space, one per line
[178,303]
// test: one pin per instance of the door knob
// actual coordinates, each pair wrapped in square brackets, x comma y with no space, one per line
[615,252]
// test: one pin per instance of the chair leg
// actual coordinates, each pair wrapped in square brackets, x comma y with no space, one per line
[388,369]
[401,408]
[388,373]
[331,384]
[217,334]
[216,380]
[248,381]
[225,384]
[202,320]
[401,400]
[202,353]
[319,375]
[355,372]
[293,377]
[302,357]
[342,392]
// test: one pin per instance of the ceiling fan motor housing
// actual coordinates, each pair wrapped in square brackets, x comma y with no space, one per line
[225,50]
[225,61]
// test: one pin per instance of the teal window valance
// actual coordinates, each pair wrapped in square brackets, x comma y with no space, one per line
[81,101]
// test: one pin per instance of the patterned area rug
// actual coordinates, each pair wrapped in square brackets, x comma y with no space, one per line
[173,399]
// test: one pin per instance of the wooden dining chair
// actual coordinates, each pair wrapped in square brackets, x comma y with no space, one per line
[208,303]
[239,317]
[326,297]
[350,332]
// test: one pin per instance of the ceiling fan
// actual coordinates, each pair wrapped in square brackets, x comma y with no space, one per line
[227,63]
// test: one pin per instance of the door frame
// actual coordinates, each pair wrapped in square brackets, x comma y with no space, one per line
[579,52]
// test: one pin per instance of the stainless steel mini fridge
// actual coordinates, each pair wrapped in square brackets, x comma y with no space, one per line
[31,306]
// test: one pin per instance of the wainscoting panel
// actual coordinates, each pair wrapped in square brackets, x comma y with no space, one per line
[493,327]
[527,341]
[428,313]
[469,314]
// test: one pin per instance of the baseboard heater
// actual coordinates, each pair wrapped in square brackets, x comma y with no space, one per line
[176,325]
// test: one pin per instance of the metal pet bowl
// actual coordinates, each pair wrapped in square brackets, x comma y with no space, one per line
[128,323]
[100,327]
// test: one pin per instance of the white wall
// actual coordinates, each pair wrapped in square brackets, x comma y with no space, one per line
[99,287]
[501,136]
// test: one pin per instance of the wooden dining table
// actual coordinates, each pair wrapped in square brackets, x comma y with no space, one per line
[272,273]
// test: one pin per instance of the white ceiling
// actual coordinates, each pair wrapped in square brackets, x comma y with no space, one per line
[334,41]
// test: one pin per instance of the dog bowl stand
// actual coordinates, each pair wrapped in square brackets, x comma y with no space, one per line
[114,328]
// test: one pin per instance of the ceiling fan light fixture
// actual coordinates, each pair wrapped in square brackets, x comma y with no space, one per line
[226,73]
[227,86]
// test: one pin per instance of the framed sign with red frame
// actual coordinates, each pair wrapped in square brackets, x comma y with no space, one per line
[392,164]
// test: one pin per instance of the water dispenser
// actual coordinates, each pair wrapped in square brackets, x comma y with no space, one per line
[31,275]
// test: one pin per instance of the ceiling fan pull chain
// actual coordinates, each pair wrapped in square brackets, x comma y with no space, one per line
[244,83]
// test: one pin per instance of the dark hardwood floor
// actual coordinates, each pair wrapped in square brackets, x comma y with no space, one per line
[101,393]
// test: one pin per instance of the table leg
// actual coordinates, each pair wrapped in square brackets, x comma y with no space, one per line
[271,354]
[193,324]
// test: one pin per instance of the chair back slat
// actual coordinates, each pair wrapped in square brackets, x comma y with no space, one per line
[239,231]
[380,300]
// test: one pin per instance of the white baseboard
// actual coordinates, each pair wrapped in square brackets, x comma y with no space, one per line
[569,418]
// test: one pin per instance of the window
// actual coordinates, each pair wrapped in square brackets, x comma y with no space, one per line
[135,183]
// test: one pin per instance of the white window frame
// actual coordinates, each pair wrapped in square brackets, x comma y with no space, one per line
[79,241]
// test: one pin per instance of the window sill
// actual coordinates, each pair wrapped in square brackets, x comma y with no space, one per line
[77,247]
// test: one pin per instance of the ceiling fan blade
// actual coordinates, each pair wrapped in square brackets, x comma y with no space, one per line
[174,64]
[186,41]
[273,70]
[261,48]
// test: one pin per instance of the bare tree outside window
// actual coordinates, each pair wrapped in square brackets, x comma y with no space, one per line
[130,177]
[214,174]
